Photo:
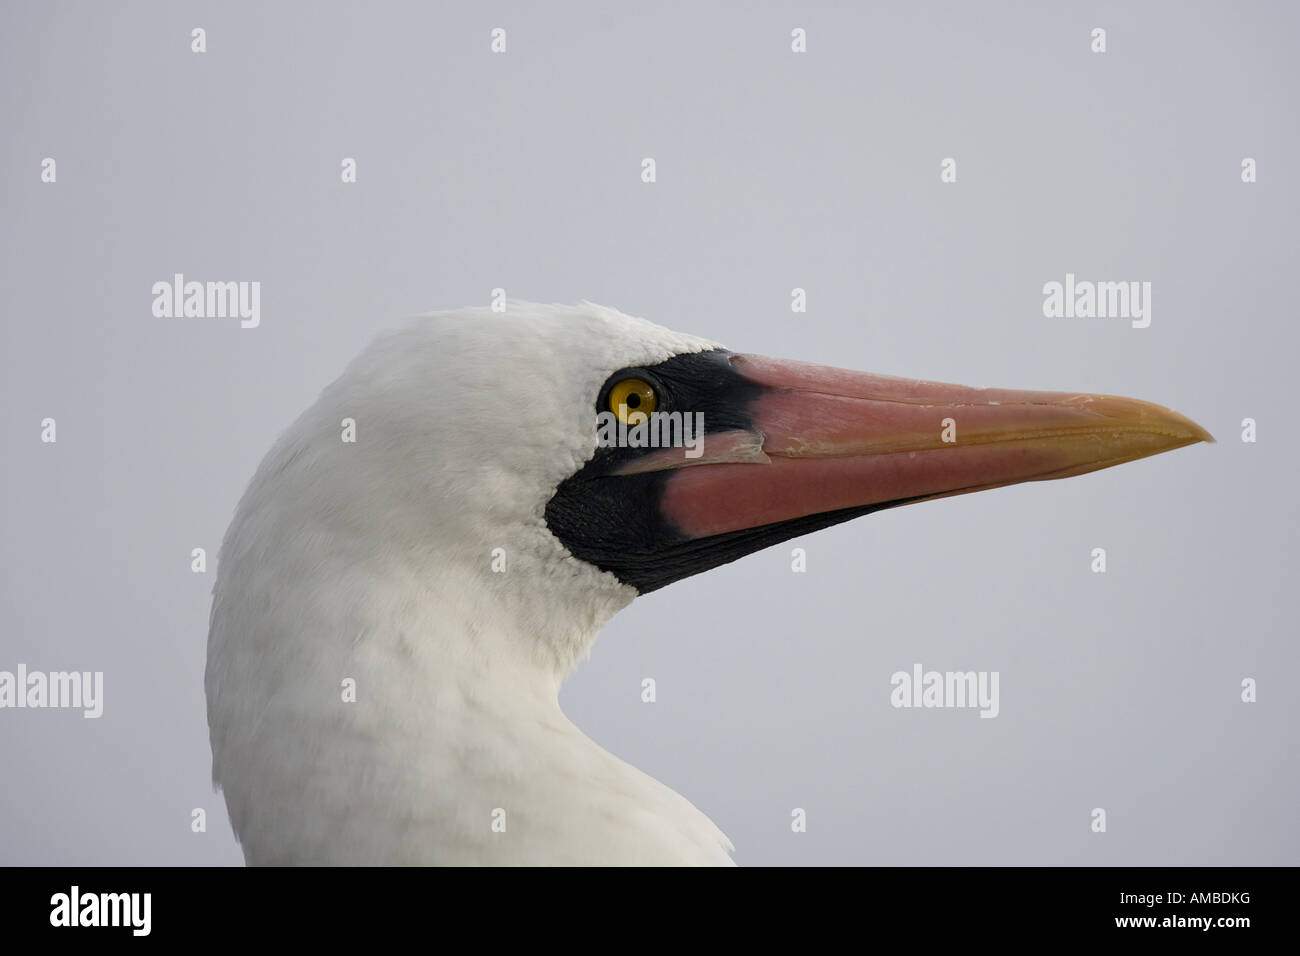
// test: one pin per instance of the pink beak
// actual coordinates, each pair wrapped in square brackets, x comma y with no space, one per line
[825,439]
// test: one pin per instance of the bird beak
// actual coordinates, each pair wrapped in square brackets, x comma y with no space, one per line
[825,440]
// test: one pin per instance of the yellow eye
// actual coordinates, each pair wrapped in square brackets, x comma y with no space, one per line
[630,396]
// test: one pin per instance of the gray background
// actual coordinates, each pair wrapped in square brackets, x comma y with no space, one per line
[775,170]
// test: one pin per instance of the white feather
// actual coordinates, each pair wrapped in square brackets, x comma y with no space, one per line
[372,561]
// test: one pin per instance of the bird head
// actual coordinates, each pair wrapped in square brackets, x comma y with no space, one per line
[585,456]
[452,522]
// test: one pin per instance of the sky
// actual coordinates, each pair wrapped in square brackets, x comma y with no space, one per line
[920,171]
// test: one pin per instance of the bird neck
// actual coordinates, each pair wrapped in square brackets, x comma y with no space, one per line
[504,777]
[401,706]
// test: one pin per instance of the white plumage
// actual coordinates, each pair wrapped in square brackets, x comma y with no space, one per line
[370,564]
[372,561]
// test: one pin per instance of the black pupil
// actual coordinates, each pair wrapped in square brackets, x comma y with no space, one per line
[633,400]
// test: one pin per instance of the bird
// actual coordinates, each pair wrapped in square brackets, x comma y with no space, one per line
[433,546]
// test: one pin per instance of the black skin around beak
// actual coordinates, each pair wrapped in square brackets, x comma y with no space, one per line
[789,448]
[616,522]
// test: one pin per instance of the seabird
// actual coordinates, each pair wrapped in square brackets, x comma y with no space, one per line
[394,614]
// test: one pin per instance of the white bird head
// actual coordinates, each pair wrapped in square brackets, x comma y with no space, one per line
[427,552]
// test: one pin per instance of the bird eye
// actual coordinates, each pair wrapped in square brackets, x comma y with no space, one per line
[630,396]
